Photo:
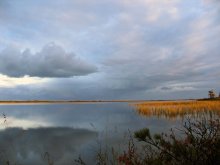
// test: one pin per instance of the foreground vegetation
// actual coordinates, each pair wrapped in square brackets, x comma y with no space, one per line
[174,109]
[196,143]
[200,144]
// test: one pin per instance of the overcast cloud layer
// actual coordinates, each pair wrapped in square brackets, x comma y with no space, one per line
[144,49]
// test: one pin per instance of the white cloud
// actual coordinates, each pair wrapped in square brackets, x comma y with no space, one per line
[154,10]
[8,82]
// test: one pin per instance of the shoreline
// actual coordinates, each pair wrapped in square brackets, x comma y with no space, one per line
[67,102]
[4,102]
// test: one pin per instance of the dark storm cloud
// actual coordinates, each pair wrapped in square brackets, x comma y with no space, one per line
[51,61]
[29,146]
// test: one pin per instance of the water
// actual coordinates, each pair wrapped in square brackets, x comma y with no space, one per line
[35,134]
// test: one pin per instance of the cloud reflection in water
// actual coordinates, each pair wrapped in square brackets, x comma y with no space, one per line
[28,146]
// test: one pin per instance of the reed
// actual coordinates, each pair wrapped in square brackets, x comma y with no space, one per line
[174,109]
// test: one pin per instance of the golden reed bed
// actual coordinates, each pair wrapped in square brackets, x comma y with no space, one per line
[174,109]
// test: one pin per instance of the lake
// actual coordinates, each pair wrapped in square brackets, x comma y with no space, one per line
[36,133]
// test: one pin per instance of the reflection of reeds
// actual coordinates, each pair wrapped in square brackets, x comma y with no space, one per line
[174,109]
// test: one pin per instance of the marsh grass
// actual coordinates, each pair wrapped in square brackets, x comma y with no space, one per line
[199,145]
[47,158]
[174,109]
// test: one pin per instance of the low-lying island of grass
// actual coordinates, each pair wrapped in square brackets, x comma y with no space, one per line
[173,109]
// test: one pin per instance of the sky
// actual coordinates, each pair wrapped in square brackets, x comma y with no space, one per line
[109,49]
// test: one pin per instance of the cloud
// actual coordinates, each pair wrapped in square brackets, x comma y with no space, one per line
[3,5]
[138,47]
[8,82]
[178,88]
[154,10]
[51,61]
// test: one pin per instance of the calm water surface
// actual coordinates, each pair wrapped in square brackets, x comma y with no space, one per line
[66,131]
